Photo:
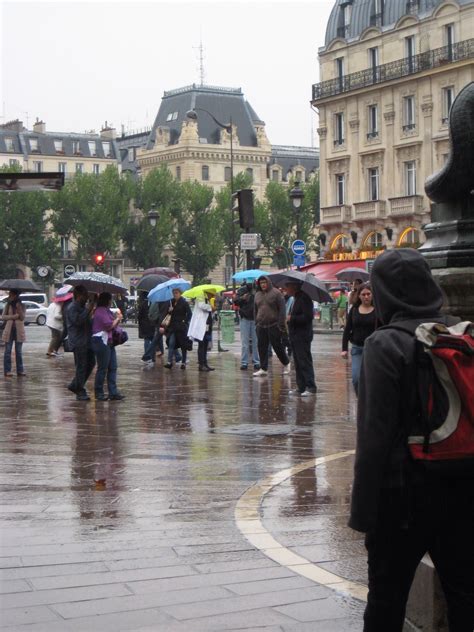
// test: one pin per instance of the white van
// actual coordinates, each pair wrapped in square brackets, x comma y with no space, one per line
[36,297]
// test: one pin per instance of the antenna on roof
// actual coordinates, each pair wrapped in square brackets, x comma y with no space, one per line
[201,61]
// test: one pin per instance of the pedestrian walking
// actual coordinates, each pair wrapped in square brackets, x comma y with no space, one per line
[175,327]
[403,507]
[354,293]
[300,329]
[55,322]
[361,323]
[245,301]
[146,328]
[103,324]
[13,334]
[341,305]
[200,329]
[270,323]
[79,331]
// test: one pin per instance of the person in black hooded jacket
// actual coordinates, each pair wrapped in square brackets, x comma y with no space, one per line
[404,510]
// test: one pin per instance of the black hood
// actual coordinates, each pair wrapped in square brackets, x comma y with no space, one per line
[264,276]
[403,287]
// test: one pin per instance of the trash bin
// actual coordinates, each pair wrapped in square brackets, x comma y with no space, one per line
[227,320]
[327,315]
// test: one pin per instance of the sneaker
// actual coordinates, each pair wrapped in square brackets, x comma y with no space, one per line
[260,373]
[167,365]
[83,397]
[146,359]
[306,394]
[101,398]
[295,392]
[117,397]
[57,354]
[243,367]
[256,367]
[287,369]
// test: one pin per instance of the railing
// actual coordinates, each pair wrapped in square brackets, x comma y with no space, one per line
[373,134]
[371,209]
[336,214]
[408,127]
[395,69]
[406,205]
[338,142]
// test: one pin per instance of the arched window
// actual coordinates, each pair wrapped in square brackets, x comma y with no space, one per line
[410,237]
[340,242]
[249,171]
[374,239]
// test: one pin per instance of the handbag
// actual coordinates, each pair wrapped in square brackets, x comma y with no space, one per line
[119,336]
[166,320]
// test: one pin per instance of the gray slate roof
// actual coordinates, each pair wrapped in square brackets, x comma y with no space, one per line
[288,157]
[362,10]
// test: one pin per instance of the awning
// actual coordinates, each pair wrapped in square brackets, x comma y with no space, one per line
[326,270]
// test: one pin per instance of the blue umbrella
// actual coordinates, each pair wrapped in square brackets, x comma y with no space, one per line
[164,291]
[247,275]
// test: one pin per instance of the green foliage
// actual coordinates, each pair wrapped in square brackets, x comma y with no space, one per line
[95,209]
[198,240]
[145,243]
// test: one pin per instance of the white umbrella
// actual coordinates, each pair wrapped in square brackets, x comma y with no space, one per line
[97,282]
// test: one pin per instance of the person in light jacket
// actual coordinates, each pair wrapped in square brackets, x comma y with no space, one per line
[54,321]
[14,332]
[200,329]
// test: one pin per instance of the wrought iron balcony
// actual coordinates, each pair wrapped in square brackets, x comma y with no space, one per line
[373,134]
[338,142]
[408,127]
[395,69]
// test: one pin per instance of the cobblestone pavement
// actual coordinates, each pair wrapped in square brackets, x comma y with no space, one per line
[122,515]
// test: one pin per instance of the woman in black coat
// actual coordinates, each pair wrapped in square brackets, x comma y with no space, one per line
[176,330]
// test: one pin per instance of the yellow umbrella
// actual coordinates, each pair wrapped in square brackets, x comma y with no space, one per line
[200,290]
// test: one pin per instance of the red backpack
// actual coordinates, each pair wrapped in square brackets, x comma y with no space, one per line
[442,435]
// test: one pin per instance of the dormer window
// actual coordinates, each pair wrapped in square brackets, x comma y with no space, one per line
[58,146]
[92,148]
[172,116]
[106,148]
[76,148]
[34,144]
[9,144]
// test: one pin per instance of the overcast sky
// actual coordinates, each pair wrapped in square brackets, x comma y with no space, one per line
[76,65]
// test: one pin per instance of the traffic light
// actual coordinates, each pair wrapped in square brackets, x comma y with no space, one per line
[242,201]
[99,261]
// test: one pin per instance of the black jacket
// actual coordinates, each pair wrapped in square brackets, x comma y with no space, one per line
[403,289]
[146,329]
[245,301]
[300,326]
[79,325]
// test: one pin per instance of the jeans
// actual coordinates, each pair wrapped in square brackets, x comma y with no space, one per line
[270,335]
[7,356]
[84,360]
[106,357]
[303,361]
[173,352]
[202,349]
[148,349]
[248,334]
[356,361]
[441,522]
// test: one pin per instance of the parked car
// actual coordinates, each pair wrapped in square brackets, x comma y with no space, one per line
[34,313]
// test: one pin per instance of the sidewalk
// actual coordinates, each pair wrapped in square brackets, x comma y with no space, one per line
[134,515]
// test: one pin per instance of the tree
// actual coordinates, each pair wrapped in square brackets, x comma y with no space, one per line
[94,210]
[25,239]
[145,243]
[198,240]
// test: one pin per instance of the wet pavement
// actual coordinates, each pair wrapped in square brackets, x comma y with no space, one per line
[138,514]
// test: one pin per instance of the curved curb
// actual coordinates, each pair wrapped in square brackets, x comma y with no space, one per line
[247,517]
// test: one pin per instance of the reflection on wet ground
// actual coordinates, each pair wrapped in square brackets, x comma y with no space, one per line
[119,515]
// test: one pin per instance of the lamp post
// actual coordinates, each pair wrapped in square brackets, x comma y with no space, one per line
[153,216]
[296,196]
[192,114]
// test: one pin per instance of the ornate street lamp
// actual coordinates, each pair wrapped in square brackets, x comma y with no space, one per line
[296,196]
[153,216]
[192,114]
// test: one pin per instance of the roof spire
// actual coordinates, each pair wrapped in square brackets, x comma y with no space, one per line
[201,60]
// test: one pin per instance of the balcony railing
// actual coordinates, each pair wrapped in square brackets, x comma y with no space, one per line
[336,214]
[406,205]
[373,209]
[373,134]
[395,69]
[409,127]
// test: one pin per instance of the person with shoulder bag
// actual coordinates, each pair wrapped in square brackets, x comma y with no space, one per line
[14,333]
[175,327]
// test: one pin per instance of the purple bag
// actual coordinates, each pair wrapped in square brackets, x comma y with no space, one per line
[119,336]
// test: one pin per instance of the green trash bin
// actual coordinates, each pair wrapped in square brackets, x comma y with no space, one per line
[326,315]
[227,320]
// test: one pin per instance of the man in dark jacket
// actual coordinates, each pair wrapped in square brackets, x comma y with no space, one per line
[270,323]
[300,329]
[404,510]
[245,300]
[79,330]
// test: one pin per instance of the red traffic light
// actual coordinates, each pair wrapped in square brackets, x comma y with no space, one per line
[99,259]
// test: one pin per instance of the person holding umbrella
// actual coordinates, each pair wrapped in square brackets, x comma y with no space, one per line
[200,329]
[175,327]
[300,329]
[14,332]
[79,328]
[103,324]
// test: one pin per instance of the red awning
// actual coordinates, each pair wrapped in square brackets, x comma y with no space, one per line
[326,270]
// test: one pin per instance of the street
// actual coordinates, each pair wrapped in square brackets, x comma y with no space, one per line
[195,504]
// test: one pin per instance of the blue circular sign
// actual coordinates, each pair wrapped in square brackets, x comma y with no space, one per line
[298,247]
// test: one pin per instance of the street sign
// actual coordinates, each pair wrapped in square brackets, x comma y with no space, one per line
[69,269]
[298,247]
[299,260]
[249,241]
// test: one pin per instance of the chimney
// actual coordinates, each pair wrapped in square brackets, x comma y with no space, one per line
[13,126]
[108,133]
[39,127]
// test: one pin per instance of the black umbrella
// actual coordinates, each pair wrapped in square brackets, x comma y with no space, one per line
[352,274]
[150,281]
[97,282]
[169,273]
[310,285]
[22,285]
